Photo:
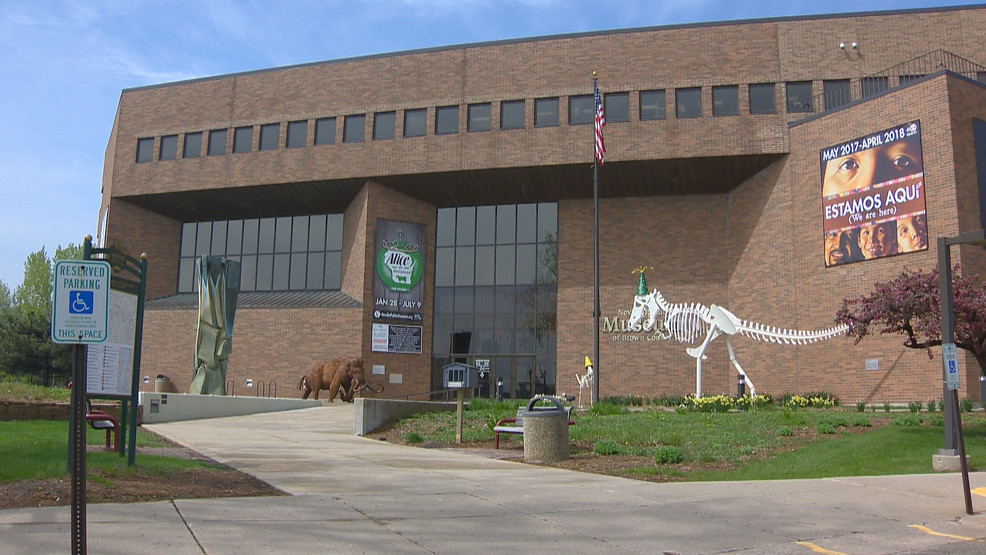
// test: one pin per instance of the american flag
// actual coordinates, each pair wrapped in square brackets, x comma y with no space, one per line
[600,123]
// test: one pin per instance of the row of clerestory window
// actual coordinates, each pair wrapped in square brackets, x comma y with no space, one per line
[761,98]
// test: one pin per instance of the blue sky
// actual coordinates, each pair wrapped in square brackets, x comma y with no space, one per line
[64,63]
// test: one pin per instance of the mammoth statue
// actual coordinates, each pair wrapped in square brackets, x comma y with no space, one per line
[342,376]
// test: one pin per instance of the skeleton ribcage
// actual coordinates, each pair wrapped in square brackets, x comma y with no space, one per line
[687,323]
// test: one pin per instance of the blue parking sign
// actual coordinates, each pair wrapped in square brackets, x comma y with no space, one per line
[80,302]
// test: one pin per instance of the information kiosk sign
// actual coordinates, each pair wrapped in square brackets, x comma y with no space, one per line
[81,304]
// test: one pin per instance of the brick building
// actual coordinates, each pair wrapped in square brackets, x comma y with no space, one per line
[718,136]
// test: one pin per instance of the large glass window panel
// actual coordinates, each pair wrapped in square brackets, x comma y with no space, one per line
[145,150]
[217,142]
[266,235]
[299,234]
[316,234]
[242,139]
[485,299]
[299,270]
[169,147]
[333,232]
[325,131]
[282,234]
[444,297]
[463,300]
[297,134]
[416,122]
[248,273]
[527,223]
[799,96]
[464,265]
[282,271]
[444,266]
[479,117]
[383,125]
[465,226]
[617,107]
[445,234]
[193,145]
[333,270]
[512,114]
[506,223]
[485,265]
[218,247]
[547,221]
[316,270]
[482,337]
[234,237]
[203,239]
[485,225]
[762,98]
[265,272]
[270,135]
[503,342]
[581,109]
[688,102]
[354,129]
[251,229]
[446,120]
[443,333]
[546,112]
[188,238]
[652,105]
[186,275]
[725,100]
[505,264]
[505,299]
[526,263]
[547,263]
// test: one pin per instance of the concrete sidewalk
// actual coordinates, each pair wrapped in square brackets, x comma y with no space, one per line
[359,495]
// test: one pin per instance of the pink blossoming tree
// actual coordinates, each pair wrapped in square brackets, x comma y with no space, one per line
[909,305]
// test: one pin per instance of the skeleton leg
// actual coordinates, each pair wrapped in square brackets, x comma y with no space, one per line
[732,358]
[699,354]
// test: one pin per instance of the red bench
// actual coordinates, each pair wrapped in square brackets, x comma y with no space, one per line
[100,420]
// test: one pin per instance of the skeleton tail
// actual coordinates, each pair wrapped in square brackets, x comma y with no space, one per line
[770,334]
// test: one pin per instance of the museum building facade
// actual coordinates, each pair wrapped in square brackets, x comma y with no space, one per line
[423,207]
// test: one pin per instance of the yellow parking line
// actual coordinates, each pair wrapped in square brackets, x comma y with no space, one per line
[980,491]
[817,549]
[927,530]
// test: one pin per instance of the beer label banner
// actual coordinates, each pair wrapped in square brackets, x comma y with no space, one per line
[398,293]
[873,196]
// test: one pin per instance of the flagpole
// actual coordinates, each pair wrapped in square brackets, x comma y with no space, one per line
[595,236]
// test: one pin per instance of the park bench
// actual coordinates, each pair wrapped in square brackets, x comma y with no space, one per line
[516,425]
[100,420]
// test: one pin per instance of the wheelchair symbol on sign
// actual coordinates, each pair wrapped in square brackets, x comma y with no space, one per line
[82,302]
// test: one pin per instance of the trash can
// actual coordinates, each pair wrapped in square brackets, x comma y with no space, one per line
[162,384]
[545,432]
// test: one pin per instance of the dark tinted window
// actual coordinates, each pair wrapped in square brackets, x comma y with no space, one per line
[217,142]
[383,125]
[446,120]
[354,129]
[762,100]
[725,100]
[479,117]
[617,107]
[799,97]
[545,112]
[169,147]
[297,134]
[652,105]
[145,150]
[325,131]
[242,139]
[580,109]
[837,93]
[688,102]
[193,145]
[512,114]
[872,85]
[905,79]
[416,122]
[269,136]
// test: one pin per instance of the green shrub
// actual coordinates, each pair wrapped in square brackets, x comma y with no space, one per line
[914,406]
[605,408]
[860,407]
[669,454]
[825,428]
[966,404]
[785,431]
[886,407]
[908,420]
[931,406]
[607,447]
[413,437]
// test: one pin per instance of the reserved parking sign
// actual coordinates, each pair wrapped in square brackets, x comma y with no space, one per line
[81,303]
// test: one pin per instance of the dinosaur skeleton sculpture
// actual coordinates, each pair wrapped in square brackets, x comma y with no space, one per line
[686,323]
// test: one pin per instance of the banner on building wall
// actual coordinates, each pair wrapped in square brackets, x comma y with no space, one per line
[873,196]
[398,291]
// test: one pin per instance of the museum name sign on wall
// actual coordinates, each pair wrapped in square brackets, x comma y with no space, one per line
[619,329]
